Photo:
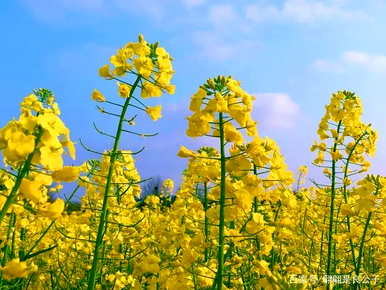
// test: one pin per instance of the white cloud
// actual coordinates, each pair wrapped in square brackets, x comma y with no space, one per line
[374,63]
[261,13]
[370,62]
[302,11]
[222,14]
[356,57]
[275,110]
[327,66]
[212,47]
[217,46]
[153,8]
[55,10]
[193,3]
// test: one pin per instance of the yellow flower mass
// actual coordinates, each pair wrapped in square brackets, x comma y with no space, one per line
[238,218]
[15,269]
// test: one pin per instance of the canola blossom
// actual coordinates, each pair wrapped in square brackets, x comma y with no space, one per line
[240,218]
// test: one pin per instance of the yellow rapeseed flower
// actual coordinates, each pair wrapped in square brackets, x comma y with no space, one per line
[154,112]
[97,96]
[185,152]
[66,174]
[168,184]
[104,71]
[123,90]
[15,269]
[52,210]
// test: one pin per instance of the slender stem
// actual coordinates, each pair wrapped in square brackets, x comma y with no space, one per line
[360,254]
[255,198]
[38,241]
[220,254]
[103,215]
[11,225]
[332,205]
[206,220]
[348,223]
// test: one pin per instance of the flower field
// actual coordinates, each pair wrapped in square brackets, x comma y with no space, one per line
[240,219]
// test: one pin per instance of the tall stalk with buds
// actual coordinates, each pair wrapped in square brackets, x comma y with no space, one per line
[221,110]
[149,66]
[347,141]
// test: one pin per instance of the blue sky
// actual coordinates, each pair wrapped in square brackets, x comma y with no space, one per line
[291,54]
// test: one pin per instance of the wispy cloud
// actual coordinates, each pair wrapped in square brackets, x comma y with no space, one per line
[239,16]
[230,26]
[301,11]
[212,46]
[222,14]
[155,9]
[328,66]
[47,10]
[370,62]
[262,12]
[52,11]
[277,110]
[217,47]
[193,3]
[218,30]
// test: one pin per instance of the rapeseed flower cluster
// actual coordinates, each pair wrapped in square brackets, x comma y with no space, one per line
[240,219]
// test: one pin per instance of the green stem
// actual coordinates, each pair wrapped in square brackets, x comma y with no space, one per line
[23,234]
[37,241]
[348,222]
[11,227]
[103,215]
[220,254]
[310,254]
[332,206]
[255,198]
[206,221]
[321,247]
[360,254]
